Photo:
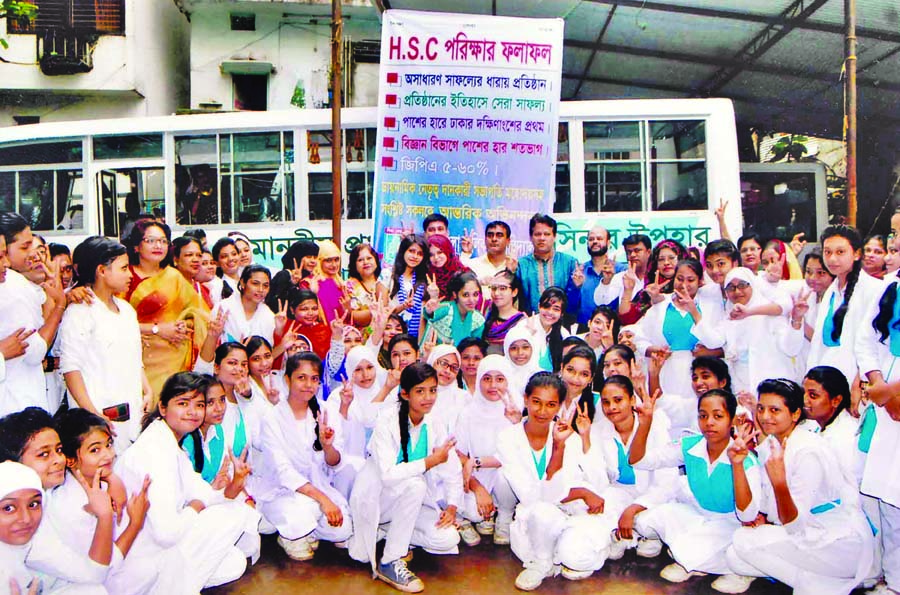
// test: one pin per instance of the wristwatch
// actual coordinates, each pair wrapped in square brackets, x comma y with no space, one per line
[478,462]
[155,329]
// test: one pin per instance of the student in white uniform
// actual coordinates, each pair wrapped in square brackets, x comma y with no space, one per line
[826,410]
[721,492]
[494,408]
[671,330]
[523,352]
[302,465]
[756,347]
[185,512]
[451,398]
[352,411]
[845,306]
[27,307]
[100,343]
[267,383]
[22,503]
[878,349]
[248,313]
[28,437]
[81,507]
[558,526]
[631,491]
[415,472]
[812,534]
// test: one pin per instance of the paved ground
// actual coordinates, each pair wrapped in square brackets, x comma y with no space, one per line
[485,569]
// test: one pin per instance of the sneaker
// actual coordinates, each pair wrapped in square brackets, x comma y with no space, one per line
[575,575]
[732,583]
[468,534]
[296,549]
[676,573]
[501,534]
[397,575]
[531,578]
[313,542]
[649,548]
[881,589]
[617,547]
[485,527]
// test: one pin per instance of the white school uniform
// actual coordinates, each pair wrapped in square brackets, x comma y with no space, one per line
[627,484]
[410,499]
[844,356]
[828,548]
[479,424]
[24,385]
[239,328]
[289,463]
[697,526]
[678,400]
[105,346]
[759,347]
[545,530]
[208,540]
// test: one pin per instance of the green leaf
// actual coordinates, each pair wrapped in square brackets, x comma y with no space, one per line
[4,44]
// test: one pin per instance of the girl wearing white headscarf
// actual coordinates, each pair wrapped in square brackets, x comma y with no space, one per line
[451,399]
[516,347]
[756,347]
[497,405]
[20,486]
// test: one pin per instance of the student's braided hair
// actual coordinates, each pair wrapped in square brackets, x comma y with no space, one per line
[290,367]
[851,235]
[413,375]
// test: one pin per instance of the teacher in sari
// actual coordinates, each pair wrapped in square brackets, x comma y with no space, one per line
[172,315]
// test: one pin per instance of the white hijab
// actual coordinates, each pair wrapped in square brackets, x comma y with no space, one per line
[15,477]
[521,374]
[741,331]
[356,356]
[437,353]
[485,419]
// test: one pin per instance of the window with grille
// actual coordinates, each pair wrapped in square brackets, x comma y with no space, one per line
[103,17]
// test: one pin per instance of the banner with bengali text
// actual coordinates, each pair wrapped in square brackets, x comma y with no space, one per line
[468,113]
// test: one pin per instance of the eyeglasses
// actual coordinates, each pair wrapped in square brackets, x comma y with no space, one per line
[496,288]
[740,286]
[156,241]
[450,367]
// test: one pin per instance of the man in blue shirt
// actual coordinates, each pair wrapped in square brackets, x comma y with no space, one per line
[546,267]
[599,269]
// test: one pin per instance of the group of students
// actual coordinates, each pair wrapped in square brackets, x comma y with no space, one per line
[731,407]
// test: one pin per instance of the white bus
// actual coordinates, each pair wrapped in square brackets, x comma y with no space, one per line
[658,167]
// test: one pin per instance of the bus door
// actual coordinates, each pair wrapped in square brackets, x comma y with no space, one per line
[126,193]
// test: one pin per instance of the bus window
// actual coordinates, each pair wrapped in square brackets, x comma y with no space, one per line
[41,153]
[563,201]
[197,181]
[360,187]
[8,191]
[253,175]
[48,199]
[613,180]
[359,152]
[127,193]
[320,207]
[122,147]
[678,165]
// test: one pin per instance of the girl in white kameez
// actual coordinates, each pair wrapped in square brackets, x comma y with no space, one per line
[812,534]
[415,472]
[206,525]
[352,412]
[451,399]
[670,331]
[303,467]
[247,311]
[523,352]
[494,408]
[100,343]
[558,526]
[721,492]
[631,490]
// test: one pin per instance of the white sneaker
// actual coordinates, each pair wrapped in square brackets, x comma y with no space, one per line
[485,527]
[676,573]
[617,547]
[296,549]
[468,534]
[501,534]
[732,583]
[649,548]
[313,542]
[575,575]
[529,579]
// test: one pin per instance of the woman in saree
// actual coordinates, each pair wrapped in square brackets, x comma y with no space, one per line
[172,315]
